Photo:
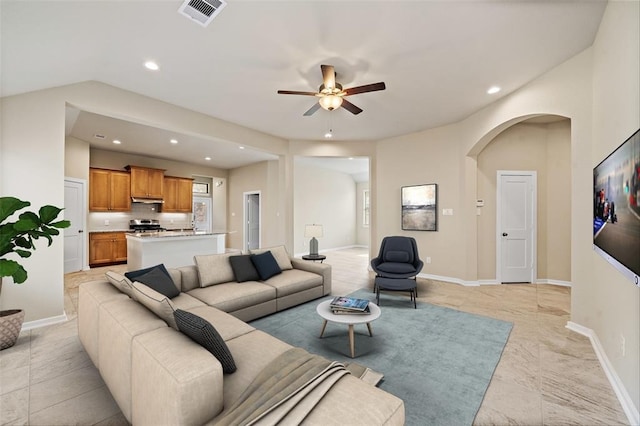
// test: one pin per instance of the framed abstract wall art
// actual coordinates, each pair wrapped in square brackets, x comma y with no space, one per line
[420,207]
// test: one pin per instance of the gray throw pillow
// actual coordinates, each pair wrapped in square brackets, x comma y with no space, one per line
[157,277]
[266,265]
[202,332]
[243,268]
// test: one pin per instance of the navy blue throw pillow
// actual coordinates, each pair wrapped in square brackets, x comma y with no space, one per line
[266,265]
[202,332]
[157,277]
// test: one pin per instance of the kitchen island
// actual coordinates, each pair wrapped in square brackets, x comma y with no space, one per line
[171,248]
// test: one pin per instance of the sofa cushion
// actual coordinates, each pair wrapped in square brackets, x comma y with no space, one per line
[280,254]
[243,268]
[232,296]
[157,303]
[214,269]
[120,282]
[294,281]
[202,332]
[157,277]
[227,325]
[186,302]
[266,265]
[252,352]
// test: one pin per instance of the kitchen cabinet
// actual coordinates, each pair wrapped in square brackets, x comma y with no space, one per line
[178,195]
[146,182]
[107,248]
[109,191]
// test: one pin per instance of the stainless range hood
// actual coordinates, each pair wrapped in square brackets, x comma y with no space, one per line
[147,200]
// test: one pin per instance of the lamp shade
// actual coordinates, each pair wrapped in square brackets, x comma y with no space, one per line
[311,231]
[330,102]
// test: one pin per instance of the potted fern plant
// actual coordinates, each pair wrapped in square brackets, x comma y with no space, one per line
[18,238]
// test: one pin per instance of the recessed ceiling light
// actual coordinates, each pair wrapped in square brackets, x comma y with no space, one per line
[493,89]
[150,65]
[174,141]
[241,147]
[117,142]
[207,158]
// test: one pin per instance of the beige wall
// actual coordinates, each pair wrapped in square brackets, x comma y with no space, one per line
[432,156]
[261,177]
[324,197]
[546,149]
[76,159]
[608,303]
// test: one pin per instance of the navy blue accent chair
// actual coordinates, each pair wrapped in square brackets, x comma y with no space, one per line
[398,258]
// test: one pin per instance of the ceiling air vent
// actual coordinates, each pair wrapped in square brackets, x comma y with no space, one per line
[202,11]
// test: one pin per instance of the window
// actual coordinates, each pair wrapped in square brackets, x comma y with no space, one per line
[365,208]
[200,188]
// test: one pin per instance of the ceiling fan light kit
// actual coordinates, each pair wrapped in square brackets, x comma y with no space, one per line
[330,102]
[332,95]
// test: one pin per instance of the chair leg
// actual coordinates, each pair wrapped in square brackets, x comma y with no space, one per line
[378,295]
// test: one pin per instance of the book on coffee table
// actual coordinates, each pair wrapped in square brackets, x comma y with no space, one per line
[344,303]
[339,311]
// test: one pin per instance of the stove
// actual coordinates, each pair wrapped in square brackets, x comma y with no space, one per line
[145,225]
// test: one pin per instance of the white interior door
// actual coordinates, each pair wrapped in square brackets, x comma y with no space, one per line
[516,226]
[252,220]
[74,237]
[202,214]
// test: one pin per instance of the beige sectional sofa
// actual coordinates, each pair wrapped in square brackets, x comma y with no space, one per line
[159,376]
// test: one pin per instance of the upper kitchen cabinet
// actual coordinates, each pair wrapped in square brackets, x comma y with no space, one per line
[146,182]
[178,195]
[109,191]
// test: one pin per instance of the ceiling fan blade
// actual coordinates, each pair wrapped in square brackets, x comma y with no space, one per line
[328,76]
[295,92]
[350,107]
[313,109]
[366,88]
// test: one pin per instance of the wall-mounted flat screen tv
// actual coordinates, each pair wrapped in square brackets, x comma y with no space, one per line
[616,208]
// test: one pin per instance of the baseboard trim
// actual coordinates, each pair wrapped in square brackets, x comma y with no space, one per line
[449,280]
[30,325]
[488,282]
[554,282]
[618,387]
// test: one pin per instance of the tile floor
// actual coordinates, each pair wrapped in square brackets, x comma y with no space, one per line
[547,375]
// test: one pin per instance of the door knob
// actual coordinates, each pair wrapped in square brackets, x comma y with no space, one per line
[504,234]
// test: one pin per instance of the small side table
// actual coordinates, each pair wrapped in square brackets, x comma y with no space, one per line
[324,310]
[314,257]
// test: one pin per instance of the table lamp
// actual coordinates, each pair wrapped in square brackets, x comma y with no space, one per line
[313,231]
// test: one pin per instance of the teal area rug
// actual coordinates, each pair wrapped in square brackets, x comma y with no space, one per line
[439,361]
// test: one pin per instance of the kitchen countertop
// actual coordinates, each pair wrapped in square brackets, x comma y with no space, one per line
[170,234]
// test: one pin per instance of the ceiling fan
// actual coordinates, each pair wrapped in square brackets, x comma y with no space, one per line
[332,95]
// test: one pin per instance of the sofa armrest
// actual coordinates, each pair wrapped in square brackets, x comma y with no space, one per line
[322,269]
[174,380]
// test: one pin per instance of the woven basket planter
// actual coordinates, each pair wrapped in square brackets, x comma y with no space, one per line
[10,326]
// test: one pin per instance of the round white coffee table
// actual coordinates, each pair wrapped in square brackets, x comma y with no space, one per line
[324,311]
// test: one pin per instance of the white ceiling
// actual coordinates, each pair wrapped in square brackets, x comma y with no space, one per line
[437,59]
